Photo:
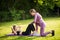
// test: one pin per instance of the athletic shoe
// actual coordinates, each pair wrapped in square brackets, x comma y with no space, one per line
[53,33]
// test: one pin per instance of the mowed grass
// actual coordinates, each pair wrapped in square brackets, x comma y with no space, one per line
[53,23]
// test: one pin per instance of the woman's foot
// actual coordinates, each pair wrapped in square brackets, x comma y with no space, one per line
[53,33]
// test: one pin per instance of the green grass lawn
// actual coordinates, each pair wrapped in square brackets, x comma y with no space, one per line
[53,23]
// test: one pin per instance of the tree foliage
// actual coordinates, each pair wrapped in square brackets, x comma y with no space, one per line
[19,9]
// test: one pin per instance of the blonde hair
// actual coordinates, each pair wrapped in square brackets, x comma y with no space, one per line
[32,10]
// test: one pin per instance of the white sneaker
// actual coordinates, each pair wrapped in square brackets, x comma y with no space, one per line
[36,34]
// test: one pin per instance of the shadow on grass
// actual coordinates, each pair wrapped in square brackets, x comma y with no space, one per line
[18,37]
[29,37]
[22,37]
[4,36]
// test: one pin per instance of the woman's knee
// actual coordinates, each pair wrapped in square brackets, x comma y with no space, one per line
[43,34]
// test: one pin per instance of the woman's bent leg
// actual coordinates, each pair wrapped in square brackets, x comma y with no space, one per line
[42,32]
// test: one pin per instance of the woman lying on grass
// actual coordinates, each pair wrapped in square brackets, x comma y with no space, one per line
[16,30]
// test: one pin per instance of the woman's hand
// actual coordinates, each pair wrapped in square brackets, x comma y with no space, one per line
[15,32]
[36,30]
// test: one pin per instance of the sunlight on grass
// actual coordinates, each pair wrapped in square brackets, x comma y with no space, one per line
[52,24]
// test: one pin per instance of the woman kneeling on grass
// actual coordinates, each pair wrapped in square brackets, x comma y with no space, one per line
[38,20]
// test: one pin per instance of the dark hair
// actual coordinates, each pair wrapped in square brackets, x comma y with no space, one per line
[14,27]
[32,10]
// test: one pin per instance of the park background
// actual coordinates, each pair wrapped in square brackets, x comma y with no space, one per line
[17,12]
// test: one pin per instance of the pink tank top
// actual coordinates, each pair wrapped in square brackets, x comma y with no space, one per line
[38,19]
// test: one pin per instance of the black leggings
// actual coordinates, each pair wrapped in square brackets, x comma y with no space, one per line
[29,29]
[18,32]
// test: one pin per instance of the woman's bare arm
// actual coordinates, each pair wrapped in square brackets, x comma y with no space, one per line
[13,31]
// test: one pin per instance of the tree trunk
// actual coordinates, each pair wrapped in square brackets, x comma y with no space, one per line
[23,16]
[58,12]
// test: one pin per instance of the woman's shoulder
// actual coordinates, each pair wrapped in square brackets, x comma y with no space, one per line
[38,13]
